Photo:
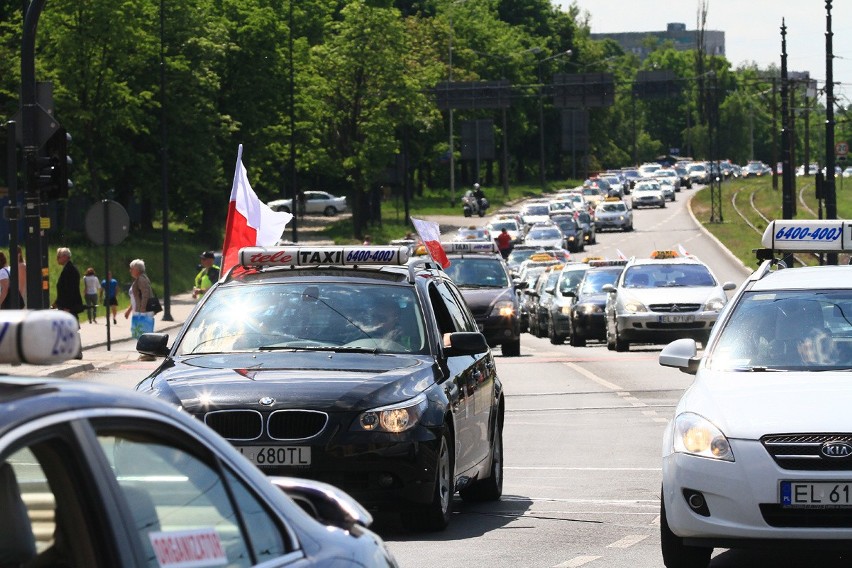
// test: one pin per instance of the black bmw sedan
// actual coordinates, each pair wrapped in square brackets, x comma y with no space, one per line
[349,365]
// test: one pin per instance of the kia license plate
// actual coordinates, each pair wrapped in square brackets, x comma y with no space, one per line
[816,494]
[291,456]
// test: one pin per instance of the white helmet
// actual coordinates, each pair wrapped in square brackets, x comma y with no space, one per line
[476,186]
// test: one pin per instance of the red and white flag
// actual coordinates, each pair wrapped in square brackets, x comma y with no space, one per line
[430,234]
[682,250]
[621,255]
[250,222]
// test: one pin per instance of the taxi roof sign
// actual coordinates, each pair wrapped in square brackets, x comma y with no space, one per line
[256,257]
[661,254]
[813,235]
[38,337]
[611,262]
[470,246]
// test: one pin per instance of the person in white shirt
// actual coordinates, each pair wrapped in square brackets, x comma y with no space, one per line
[92,285]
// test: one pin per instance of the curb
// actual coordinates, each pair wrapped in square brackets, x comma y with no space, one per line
[746,270]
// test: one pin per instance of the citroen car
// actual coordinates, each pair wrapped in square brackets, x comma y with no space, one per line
[661,298]
[613,213]
[353,366]
[759,450]
[99,476]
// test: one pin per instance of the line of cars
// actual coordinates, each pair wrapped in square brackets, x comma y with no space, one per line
[666,296]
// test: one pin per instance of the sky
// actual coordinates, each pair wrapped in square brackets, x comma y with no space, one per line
[752,30]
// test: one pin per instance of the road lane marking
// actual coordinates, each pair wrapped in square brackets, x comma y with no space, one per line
[567,468]
[628,541]
[661,420]
[576,562]
[590,375]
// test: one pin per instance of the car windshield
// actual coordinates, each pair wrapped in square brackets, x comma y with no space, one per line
[787,330]
[544,234]
[667,275]
[500,225]
[567,225]
[570,279]
[595,280]
[321,316]
[537,210]
[469,272]
[697,168]
[613,207]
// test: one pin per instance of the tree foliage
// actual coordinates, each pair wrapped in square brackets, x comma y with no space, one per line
[347,85]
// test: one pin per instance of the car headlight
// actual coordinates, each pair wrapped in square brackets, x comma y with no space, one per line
[566,310]
[695,435]
[395,418]
[505,309]
[715,305]
[589,309]
[634,306]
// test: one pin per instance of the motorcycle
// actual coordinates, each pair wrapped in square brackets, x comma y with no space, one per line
[472,206]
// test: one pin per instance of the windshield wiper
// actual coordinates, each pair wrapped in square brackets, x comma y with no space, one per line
[759,369]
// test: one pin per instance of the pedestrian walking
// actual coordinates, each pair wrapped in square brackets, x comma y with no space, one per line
[22,278]
[504,243]
[91,286]
[140,290]
[68,296]
[5,279]
[109,289]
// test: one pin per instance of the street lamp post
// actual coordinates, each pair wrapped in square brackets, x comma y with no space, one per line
[541,166]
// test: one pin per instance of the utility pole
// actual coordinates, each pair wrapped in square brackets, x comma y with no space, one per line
[37,281]
[774,138]
[828,188]
[786,181]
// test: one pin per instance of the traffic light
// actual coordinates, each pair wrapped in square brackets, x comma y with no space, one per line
[52,165]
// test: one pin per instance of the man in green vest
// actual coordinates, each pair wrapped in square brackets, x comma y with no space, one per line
[208,274]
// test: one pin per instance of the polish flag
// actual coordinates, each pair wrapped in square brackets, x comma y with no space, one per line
[621,255]
[250,222]
[682,250]
[430,234]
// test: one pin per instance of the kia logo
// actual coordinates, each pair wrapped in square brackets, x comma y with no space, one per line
[836,450]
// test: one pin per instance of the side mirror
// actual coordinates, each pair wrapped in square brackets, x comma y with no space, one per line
[729,286]
[325,503]
[608,288]
[521,285]
[550,290]
[466,343]
[681,354]
[155,344]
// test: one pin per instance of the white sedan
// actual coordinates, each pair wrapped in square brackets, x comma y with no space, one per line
[316,202]
[759,452]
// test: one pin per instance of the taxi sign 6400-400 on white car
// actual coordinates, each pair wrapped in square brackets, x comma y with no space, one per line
[810,236]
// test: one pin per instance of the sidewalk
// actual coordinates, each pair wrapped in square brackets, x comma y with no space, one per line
[122,347]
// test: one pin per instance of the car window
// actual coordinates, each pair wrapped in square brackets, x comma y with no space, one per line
[473,272]
[449,310]
[569,280]
[323,315]
[807,330]
[668,275]
[179,502]
[50,516]
[594,281]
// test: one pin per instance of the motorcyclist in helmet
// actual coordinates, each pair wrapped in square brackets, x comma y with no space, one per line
[478,193]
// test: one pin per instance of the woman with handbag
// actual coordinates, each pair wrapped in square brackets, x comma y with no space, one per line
[140,293]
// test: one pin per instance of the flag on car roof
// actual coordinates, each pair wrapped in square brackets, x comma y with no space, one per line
[430,234]
[250,222]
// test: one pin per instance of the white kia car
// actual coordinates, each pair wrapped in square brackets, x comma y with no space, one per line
[759,452]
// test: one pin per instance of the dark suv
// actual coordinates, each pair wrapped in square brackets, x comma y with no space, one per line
[484,280]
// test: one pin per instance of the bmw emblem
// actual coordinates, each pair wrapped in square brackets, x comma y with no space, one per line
[267,401]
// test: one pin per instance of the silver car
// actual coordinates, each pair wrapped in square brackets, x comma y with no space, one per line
[656,300]
[315,202]
[613,214]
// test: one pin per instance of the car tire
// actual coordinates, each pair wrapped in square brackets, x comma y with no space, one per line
[490,488]
[285,209]
[675,553]
[511,348]
[467,213]
[621,345]
[577,340]
[329,211]
[555,338]
[436,515]
[663,204]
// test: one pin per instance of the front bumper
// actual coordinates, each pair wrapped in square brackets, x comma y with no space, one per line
[561,323]
[649,327]
[604,224]
[381,471]
[590,325]
[499,329]
[743,500]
